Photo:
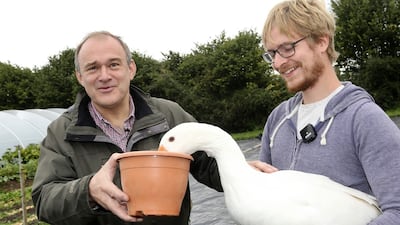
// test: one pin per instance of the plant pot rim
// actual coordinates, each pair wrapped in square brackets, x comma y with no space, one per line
[154,153]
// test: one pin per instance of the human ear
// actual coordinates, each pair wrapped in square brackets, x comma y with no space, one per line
[323,43]
[78,76]
[132,69]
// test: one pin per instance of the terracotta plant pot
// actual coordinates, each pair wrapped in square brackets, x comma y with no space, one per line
[155,181]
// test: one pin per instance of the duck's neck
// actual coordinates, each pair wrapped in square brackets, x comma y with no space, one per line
[230,160]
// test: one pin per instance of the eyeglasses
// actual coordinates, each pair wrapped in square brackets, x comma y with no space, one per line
[285,50]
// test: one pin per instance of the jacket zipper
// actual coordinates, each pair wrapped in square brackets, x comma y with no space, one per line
[295,153]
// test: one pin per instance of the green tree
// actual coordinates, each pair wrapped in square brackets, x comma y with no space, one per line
[368,31]
[172,61]
[366,28]
[16,87]
[147,70]
[56,84]
[225,82]
[381,80]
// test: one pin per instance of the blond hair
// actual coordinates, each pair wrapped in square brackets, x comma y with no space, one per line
[304,18]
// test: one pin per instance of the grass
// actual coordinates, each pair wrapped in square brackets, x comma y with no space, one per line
[394,112]
[247,135]
[10,197]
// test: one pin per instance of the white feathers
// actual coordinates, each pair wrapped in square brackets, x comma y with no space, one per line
[285,197]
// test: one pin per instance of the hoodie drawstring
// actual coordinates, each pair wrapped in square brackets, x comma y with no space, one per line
[323,135]
[271,140]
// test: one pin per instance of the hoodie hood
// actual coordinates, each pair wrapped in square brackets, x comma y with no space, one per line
[349,95]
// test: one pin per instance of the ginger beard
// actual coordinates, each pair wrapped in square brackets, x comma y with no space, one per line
[305,80]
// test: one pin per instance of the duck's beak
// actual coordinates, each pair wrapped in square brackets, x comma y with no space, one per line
[162,148]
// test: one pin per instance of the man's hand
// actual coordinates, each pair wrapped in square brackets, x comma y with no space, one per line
[262,166]
[104,192]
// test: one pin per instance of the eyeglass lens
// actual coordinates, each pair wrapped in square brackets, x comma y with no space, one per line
[285,50]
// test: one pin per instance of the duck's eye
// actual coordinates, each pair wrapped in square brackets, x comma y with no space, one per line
[171,139]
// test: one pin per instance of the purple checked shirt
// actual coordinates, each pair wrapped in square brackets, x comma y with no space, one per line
[118,136]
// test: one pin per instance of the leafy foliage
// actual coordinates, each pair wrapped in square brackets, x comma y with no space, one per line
[16,87]
[31,152]
[9,172]
[147,70]
[56,84]
[223,82]
[368,37]
[366,28]
[9,169]
[381,80]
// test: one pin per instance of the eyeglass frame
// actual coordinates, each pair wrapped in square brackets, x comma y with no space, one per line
[269,58]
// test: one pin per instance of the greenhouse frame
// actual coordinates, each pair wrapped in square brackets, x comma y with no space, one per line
[25,127]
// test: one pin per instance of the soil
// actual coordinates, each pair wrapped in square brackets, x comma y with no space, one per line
[14,184]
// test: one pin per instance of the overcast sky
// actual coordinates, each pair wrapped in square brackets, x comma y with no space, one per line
[34,30]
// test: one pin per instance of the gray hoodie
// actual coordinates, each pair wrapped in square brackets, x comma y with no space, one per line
[357,145]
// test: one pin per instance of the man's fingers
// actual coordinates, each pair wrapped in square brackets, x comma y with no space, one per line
[103,191]
[262,166]
[111,165]
[108,194]
[120,209]
[101,186]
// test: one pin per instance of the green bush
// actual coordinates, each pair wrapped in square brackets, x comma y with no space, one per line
[9,172]
[9,169]
[30,168]
[381,77]
[30,152]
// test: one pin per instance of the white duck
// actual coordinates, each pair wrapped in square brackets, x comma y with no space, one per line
[285,197]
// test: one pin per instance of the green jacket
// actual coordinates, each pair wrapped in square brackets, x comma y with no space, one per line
[75,149]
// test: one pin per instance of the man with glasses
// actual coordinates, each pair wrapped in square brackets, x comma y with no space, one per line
[328,127]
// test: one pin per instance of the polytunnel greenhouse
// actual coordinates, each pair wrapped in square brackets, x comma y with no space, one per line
[24,127]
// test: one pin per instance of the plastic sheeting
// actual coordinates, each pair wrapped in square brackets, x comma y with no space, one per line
[24,127]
